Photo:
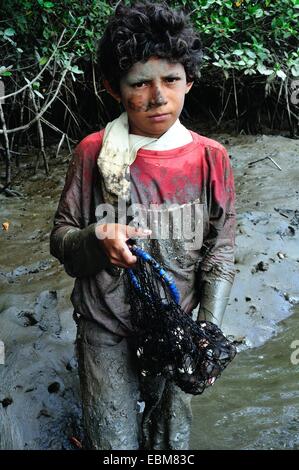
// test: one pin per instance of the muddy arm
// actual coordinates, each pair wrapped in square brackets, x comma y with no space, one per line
[74,244]
[214,299]
[78,250]
[217,270]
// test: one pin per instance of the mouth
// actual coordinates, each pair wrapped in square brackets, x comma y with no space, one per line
[159,117]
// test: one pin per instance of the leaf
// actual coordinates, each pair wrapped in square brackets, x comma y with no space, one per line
[249,72]
[75,69]
[238,52]
[43,60]
[259,13]
[38,94]
[262,69]
[295,71]
[6,74]
[48,4]
[250,54]
[4,69]
[281,74]
[9,32]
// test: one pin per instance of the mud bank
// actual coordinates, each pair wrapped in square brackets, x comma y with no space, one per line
[39,393]
[267,238]
[38,383]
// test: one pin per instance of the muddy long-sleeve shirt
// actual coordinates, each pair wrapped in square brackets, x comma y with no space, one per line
[190,188]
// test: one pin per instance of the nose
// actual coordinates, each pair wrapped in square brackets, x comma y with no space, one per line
[158,97]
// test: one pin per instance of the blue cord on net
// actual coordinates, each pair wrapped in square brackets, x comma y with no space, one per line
[161,273]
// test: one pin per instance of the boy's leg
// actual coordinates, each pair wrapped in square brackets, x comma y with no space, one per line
[167,416]
[109,388]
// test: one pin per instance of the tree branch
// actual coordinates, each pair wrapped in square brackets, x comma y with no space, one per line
[40,73]
[7,151]
[42,111]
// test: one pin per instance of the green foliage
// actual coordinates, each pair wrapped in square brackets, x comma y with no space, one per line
[248,36]
[33,28]
[253,37]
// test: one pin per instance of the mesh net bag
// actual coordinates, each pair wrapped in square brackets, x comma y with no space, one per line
[166,339]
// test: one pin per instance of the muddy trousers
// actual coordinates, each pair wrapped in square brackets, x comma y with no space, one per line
[112,390]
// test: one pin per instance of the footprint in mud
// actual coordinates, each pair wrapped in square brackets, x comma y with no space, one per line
[45,312]
[261,266]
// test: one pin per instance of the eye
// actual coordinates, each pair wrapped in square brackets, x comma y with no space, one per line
[172,79]
[139,85]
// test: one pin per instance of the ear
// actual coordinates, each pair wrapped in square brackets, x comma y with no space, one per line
[111,92]
[188,87]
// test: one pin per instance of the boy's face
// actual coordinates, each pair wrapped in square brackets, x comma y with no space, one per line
[153,95]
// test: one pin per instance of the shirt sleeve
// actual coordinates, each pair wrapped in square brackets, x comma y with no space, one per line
[217,269]
[71,242]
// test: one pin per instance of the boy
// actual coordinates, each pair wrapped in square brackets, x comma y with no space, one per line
[149,57]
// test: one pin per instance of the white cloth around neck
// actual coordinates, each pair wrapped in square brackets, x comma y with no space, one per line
[119,150]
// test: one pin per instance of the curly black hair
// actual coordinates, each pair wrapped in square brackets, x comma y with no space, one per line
[136,33]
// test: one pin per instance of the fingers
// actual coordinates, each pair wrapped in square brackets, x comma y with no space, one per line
[113,238]
[119,231]
[123,257]
[133,232]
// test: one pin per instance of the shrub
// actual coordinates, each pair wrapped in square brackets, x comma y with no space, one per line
[48,51]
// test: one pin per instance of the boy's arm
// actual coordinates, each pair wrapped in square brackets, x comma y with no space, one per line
[217,270]
[76,246]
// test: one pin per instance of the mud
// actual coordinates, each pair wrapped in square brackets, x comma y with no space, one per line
[267,243]
[38,382]
[39,392]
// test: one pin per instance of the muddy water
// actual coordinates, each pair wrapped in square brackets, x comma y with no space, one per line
[255,404]
[38,382]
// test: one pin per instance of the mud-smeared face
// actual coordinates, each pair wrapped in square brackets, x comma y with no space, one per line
[153,95]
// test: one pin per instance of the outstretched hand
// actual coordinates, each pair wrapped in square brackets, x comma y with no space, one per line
[114,237]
